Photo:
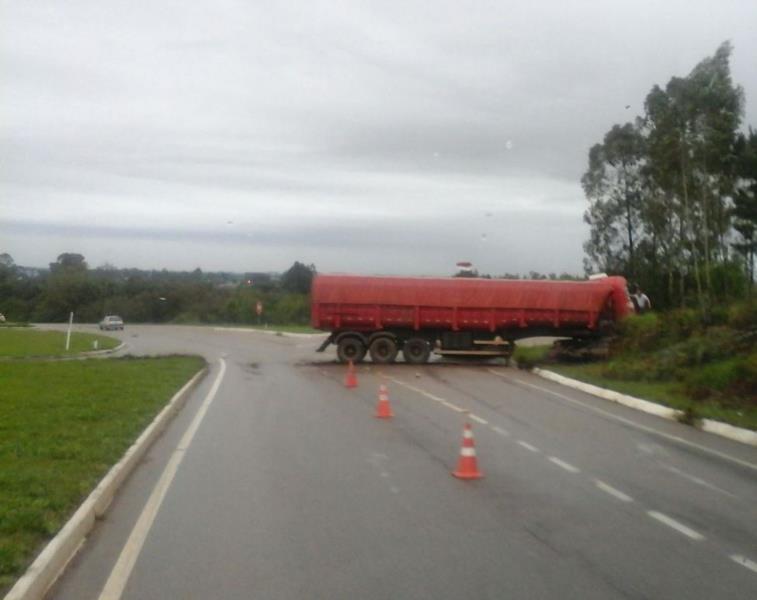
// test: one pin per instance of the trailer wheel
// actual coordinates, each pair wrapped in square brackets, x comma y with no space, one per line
[416,351]
[350,349]
[383,350]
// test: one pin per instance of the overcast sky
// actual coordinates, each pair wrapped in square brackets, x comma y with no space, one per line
[385,137]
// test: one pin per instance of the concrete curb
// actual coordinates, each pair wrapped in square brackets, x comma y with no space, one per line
[118,348]
[738,434]
[51,562]
[80,356]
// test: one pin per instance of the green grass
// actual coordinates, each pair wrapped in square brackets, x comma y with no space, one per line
[25,343]
[63,424]
[531,355]
[669,393]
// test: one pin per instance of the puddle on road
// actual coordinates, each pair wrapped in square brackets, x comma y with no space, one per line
[252,368]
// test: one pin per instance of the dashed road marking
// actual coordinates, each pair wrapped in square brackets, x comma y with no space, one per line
[562,464]
[426,394]
[607,488]
[454,407]
[744,562]
[679,527]
[528,446]
[629,422]
[478,419]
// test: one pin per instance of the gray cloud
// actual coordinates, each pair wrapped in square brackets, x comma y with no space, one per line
[370,138]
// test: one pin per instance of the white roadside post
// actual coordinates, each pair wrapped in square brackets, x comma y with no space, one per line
[68,333]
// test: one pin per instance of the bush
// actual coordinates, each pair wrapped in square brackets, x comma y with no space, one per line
[187,318]
[725,380]
[681,323]
[528,357]
[743,316]
[745,384]
[711,379]
[700,349]
[639,333]
[290,308]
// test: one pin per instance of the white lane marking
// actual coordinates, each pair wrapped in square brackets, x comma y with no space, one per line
[697,480]
[114,587]
[500,431]
[528,446]
[563,464]
[478,419]
[428,395]
[630,423]
[454,407]
[679,527]
[655,452]
[744,562]
[606,487]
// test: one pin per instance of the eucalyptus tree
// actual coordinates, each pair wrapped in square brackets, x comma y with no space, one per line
[745,211]
[690,129]
[715,110]
[613,185]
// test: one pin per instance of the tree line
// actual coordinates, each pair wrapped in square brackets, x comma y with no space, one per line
[70,285]
[673,194]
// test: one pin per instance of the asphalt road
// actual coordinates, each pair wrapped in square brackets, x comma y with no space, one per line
[285,486]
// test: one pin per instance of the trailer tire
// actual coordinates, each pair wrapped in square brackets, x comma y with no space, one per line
[416,351]
[383,350]
[350,348]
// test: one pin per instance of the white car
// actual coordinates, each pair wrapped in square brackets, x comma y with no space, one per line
[112,322]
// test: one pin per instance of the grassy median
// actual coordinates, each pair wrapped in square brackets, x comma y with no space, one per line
[63,424]
[26,342]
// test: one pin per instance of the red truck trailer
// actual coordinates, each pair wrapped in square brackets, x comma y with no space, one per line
[458,316]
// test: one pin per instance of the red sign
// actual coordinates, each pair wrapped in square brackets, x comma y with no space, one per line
[259,308]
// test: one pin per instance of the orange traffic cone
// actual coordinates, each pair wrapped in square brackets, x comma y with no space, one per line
[350,379]
[383,408]
[467,466]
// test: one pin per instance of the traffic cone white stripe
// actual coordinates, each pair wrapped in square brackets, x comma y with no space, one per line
[383,409]
[467,452]
[467,433]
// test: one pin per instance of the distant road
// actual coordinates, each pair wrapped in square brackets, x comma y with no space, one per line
[289,488]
